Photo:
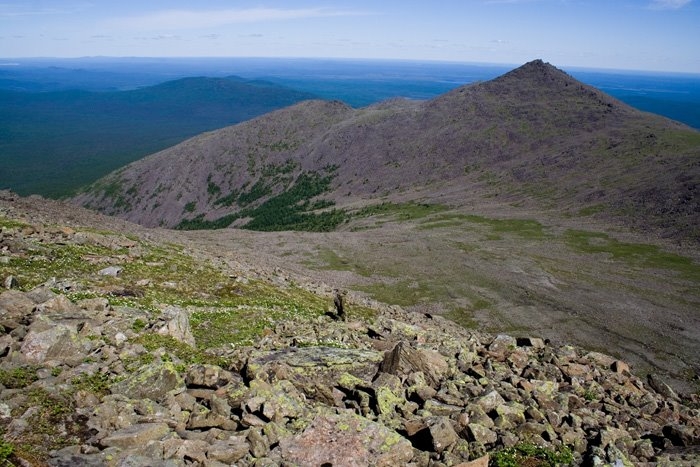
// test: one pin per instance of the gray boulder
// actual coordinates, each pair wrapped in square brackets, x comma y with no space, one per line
[177,325]
[48,340]
[155,381]
[403,360]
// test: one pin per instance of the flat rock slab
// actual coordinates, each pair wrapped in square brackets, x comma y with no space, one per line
[136,435]
[314,366]
[346,440]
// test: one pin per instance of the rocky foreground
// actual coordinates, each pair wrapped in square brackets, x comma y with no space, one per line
[118,350]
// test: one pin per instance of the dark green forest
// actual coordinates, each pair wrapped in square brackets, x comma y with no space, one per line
[291,209]
[52,143]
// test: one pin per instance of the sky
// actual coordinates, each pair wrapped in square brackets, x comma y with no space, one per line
[654,35]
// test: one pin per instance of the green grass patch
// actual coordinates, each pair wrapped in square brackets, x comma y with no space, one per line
[6,450]
[6,223]
[681,137]
[524,228]
[97,383]
[244,324]
[634,254]
[176,279]
[186,353]
[52,260]
[464,318]
[18,378]
[447,216]
[401,211]
[138,325]
[332,261]
[440,224]
[465,247]
[51,426]
[531,455]
[591,210]
[404,293]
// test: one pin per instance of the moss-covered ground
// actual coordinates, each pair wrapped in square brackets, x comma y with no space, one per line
[224,311]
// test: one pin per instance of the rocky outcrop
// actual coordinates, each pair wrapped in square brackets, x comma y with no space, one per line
[443,398]
[90,379]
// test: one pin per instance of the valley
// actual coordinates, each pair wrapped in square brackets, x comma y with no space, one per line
[504,269]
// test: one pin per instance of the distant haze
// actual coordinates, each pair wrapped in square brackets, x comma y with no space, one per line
[655,35]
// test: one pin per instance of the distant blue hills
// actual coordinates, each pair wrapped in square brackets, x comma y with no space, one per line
[53,142]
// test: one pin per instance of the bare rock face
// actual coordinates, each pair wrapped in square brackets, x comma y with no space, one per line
[346,440]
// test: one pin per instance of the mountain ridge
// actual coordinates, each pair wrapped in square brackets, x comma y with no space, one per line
[534,129]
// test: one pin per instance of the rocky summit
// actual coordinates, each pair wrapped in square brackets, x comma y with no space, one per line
[120,347]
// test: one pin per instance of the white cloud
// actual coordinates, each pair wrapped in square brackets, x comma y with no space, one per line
[194,19]
[668,4]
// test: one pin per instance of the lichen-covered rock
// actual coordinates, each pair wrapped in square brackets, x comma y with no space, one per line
[480,434]
[346,440]
[60,307]
[209,376]
[313,369]
[204,418]
[277,402]
[440,432]
[502,345]
[480,462]
[154,381]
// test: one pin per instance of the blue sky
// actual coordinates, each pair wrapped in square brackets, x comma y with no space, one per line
[654,35]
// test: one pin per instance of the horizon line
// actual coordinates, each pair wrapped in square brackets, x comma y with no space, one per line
[348,59]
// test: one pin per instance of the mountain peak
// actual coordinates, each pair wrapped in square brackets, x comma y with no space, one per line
[538,71]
